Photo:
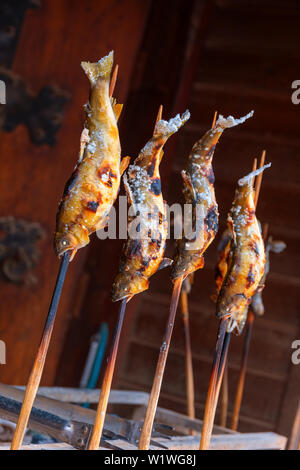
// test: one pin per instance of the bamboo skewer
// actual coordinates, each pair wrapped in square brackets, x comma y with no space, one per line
[106,384]
[38,366]
[210,406]
[113,80]
[241,382]
[224,401]
[161,363]
[190,393]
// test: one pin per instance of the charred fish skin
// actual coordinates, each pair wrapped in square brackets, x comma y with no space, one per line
[198,189]
[143,252]
[93,187]
[248,256]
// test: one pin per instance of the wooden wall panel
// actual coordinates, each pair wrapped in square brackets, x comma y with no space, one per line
[53,41]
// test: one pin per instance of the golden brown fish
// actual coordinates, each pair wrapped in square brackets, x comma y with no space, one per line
[198,179]
[93,187]
[143,252]
[248,256]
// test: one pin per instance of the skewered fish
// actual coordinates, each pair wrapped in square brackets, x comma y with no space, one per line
[93,187]
[247,261]
[143,252]
[198,179]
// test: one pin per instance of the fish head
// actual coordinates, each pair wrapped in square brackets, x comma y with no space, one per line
[70,240]
[127,285]
[231,305]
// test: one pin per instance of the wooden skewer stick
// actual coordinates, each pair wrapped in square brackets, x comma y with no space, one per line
[259,178]
[244,360]
[224,402]
[145,436]
[190,394]
[107,380]
[38,366]
[214,118]
[209,412]
[113,80]
[221,374]
[159,114]
[241,382]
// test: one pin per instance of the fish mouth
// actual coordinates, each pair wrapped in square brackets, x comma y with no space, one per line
[126,286]
[64,244]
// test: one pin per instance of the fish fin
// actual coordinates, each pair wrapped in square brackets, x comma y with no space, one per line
[277,246]
[74,251]
[247,180]
[127,189]
[102,224]
[188,182]
[230,121]
[231,227]
[84,139]
[165,263]
[167,128]
[124,164]
[161,154]
[117,108]
[100,69]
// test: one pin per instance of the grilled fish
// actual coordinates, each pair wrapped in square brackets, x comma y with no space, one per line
[93,187]
[247,261]
[143,252]
[198,181]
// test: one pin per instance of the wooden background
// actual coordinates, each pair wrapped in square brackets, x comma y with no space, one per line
[225,55]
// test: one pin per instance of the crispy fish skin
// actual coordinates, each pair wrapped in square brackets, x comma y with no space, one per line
[198,188]
[143,255]
[224,258]
[93,187]
[248,256]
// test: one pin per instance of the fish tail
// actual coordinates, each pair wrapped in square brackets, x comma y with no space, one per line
[100,69]
[230,121]
[167,128]
[246,180]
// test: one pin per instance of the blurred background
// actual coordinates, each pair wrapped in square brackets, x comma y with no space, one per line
[229,56]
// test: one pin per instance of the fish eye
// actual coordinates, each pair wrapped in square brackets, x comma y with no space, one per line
[65,242]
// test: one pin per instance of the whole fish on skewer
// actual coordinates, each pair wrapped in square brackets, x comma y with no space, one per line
[247,261]
[93,187]
[198,179]
[143,253]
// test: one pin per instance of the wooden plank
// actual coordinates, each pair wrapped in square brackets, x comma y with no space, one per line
[247,441]
[250,441]
[178,421]
[85,395]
